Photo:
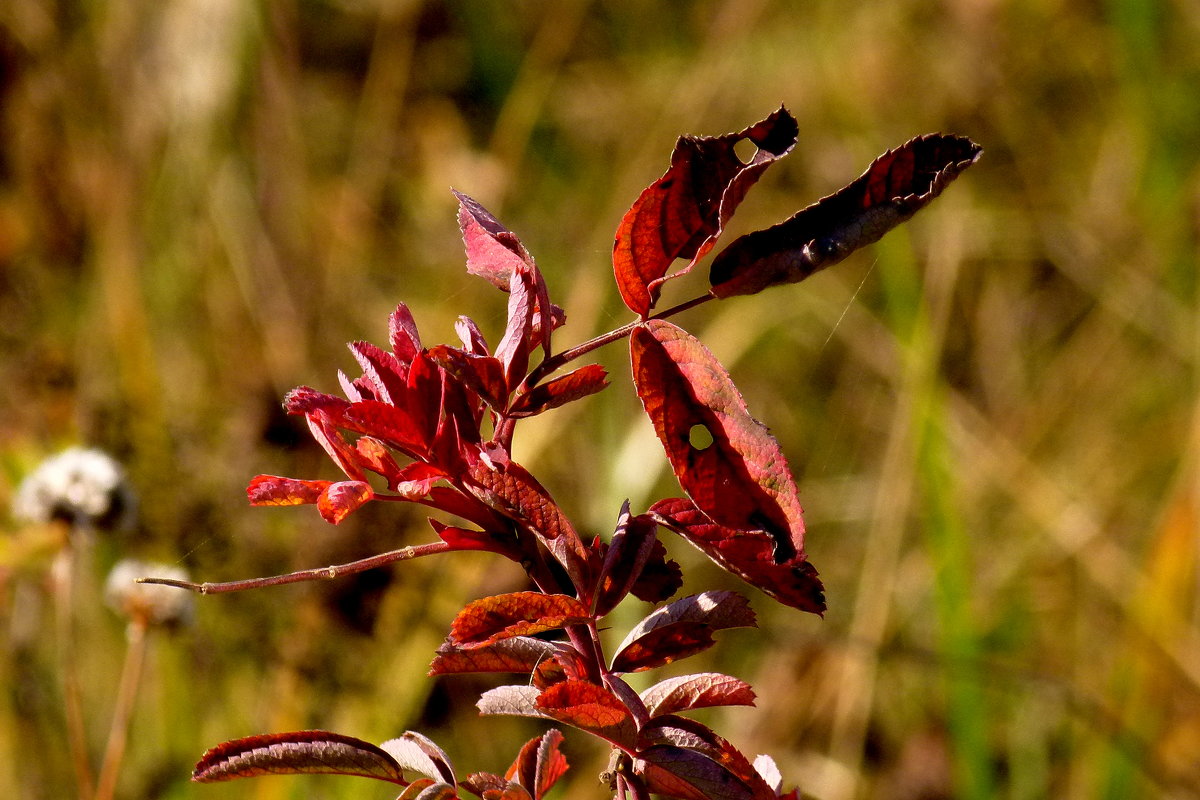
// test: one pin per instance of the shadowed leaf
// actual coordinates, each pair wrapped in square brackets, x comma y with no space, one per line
[681,629]
[519,654]
[737,474]
[627,554]
[682,213]
[693,736]
[896,185]
[483,375]
[688,775]
[746,554]
[300,752]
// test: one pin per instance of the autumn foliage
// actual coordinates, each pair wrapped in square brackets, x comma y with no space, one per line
[434,425]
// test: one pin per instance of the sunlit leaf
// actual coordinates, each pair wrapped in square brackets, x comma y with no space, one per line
[273,490]
[382,371]
[682,213]
[896,185]
[395,426]
[418,753]
[540,764]
[300,752]
[490,619]
[520,654]
[403,335]
[519,700]
[589,707]
[580,383]
[737,473]
[702,690]
[340,500]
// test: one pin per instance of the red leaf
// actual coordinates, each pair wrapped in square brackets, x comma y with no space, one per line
[402,333]
[681,629]
[416,480]
[520,654]
[324,429]
[682,213]
[340,500]
[395,426]
[374,455]
[471,336]
[740,478]
[692,736]
[303,399]
[631,547]
[586,380]
[493,251]
[418,753]
[490,619]
[661,578]
[897,185]
[487,541]
[509,489]
[483,375]
[747,555]
[540,764]
[301,752]
[702,690]
[678,772]
[588,707]
[272,490]
[425,789]
[382,371]
[515,345]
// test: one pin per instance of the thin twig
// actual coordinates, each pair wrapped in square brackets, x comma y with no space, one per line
[118,734]
[63,580]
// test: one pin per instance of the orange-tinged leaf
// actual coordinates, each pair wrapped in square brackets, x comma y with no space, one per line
[682,213]
[491,619]
[300,752]
[695,737]
[897,185]
[273,490]
[737,475]
[540,764]
[747,555]
[518,654]
[589,707]
[340,500]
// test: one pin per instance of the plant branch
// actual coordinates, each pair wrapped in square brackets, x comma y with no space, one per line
[318,574]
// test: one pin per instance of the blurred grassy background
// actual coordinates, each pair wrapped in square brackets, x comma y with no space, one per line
[992,413]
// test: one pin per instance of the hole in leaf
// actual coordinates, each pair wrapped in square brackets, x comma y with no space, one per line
[700,437]
[745,150]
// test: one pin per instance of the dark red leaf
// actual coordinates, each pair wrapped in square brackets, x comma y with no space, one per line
[402,332]
[424,406]
[897,185]
[631,547]
[483,375]
[324,429]
[736,473]
[340,500]
[490,619]
[688,775]
[681,629]
[747,555]
[509,489]
[682,213]
[273,490]
[418,753]
[702,690]
[394,426]
[487,541]
[586,380]
[661,577]
[301,752]
[693,736]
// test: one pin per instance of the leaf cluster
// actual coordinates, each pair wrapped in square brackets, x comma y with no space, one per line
[434,426]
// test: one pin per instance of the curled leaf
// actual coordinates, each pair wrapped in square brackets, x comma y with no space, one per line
[297,753]
[702,690]
[540,764]
[681,629]
[418,753]
[340,500]
[897,185]
[682,213]
[724,458]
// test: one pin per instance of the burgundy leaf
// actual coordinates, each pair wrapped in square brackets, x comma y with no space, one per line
[490,619]
[471,337]
[897,185]
[688,775]
[273,490]
[688,734]
[487,541]
[509,489]
[402,333]
[483,375]
[300,752]
[631,547]
[747,555]
[303,399]
[660,579]
[702,690]
[394,426]
[726,460]
[426,789]
[340,500]
[324,430]
[682,213]
[681,629]
[586,380]
[418,753]
[513,350]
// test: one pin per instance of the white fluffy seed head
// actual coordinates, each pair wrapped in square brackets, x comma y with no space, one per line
[148,602]
[79,486]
